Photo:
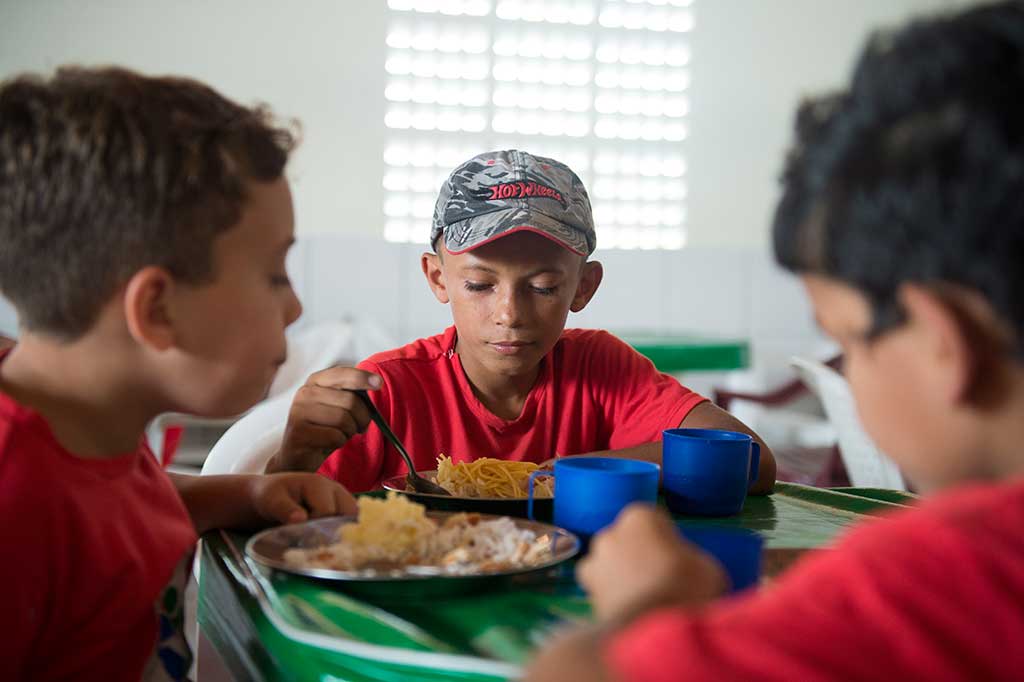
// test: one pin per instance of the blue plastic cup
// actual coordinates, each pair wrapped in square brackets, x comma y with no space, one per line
[708,471]
[591,491]
[738,550]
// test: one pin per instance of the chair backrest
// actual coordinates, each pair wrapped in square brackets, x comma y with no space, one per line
[865,464]
[311,349]
[248,445]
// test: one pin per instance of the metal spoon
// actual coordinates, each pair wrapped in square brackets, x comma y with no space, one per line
[418,483]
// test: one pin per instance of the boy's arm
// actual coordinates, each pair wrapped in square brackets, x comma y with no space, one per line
[638,400]
[252,501]
[707,415]
[839,613]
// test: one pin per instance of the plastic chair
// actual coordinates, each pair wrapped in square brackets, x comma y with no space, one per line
[249,443]
[790,418]
[865,464]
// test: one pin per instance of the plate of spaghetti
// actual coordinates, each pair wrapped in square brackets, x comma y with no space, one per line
[486,485]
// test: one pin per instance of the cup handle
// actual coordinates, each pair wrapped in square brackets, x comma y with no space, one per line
[529,492]
[755,460]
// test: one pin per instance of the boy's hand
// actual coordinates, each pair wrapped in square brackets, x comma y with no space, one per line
[295,497]
[325,414]
[641,562]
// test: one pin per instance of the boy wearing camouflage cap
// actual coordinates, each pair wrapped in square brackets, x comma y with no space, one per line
[511,236]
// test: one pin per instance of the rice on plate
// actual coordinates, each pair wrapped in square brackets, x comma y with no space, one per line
[395,532]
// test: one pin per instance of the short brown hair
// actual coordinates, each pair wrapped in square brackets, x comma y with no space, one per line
[105,171]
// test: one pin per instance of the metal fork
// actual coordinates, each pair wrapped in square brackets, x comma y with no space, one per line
[418,483]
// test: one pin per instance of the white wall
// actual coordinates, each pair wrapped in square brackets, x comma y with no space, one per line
[321,61]
[753,60]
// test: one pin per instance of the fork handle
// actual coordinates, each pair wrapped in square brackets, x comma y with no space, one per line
[382,424]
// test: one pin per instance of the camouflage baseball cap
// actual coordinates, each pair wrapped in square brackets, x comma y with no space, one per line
[498,193]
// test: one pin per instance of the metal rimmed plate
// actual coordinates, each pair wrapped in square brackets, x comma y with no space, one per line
[543,507]
[385,581]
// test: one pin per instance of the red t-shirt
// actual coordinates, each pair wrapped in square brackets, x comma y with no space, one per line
[593,393]
[96,553]
[935,593]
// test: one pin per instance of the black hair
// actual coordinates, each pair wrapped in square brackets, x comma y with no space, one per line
[916,172]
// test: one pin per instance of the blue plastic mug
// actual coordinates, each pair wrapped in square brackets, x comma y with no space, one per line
[591,491]
[708,471]
[738,550]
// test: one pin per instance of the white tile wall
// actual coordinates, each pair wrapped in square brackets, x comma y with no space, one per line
[707,290]
[717,291]
[351,276]
[421,313]
[778,306]
[631,295]
[8,319]
[781,323]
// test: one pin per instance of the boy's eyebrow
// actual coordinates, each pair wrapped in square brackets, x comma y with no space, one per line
[547,269]
[481,268]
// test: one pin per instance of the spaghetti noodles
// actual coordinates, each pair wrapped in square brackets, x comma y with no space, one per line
[489,477]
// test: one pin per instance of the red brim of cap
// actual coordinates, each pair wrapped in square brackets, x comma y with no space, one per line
[513,230]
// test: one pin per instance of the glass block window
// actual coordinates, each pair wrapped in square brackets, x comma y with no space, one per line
[601,85]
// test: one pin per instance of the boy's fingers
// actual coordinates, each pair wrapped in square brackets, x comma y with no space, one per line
[640,518]
[583,572]
[344,502]
[318,496]
[327,498]
[315,437]
[348,378]
[314,411]
[280,506]
[312,396]
[347,425]
[326,406]
[361,414]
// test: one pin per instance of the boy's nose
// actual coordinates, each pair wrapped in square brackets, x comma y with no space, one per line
[509,312]
[293,308]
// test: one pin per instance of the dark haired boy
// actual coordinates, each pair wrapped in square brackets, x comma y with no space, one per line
[512,235]
[903,215]
[144,224]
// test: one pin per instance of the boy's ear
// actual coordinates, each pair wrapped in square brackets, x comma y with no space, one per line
[945,341]
[432,270]
[590,280]
[147,307]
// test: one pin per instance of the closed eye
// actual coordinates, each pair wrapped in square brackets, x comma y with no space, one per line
[477,286]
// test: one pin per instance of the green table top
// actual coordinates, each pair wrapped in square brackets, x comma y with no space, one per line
[687,353]
[291,628]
